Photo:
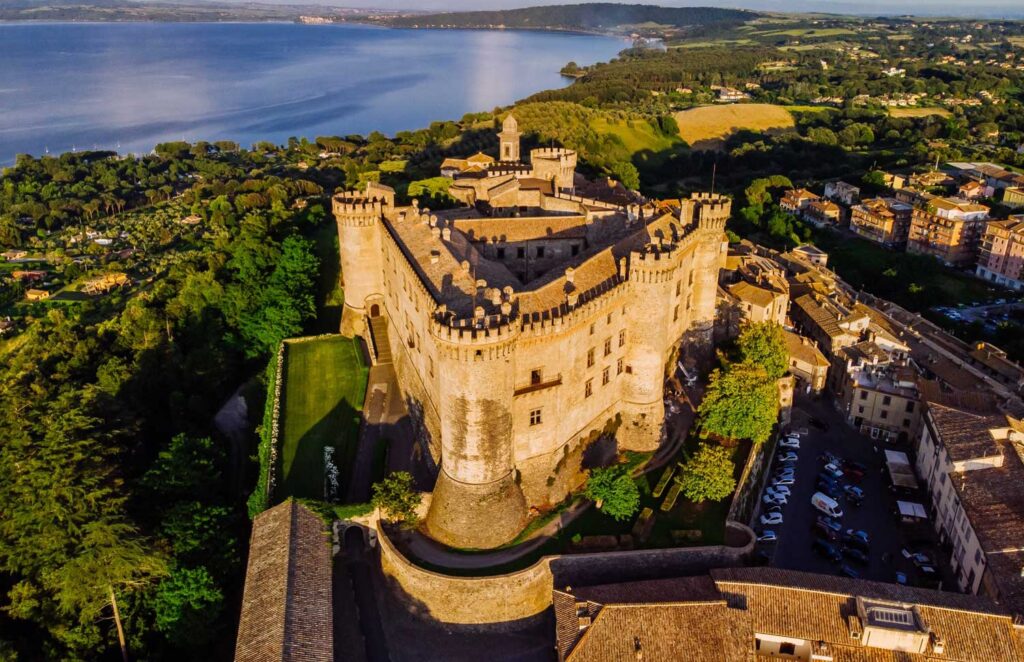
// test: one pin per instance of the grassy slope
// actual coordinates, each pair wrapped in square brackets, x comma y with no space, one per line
[637,135]
[919,112]
[325,383]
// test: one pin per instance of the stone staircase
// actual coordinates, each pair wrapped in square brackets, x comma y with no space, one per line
[379,337]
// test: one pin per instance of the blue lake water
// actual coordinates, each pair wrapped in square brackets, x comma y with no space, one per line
[128,86]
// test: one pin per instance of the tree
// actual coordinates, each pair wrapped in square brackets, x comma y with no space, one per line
[763,344]
[626,172]
[187,604]
[741,402]
[396,497]
[708,475]
[614,492]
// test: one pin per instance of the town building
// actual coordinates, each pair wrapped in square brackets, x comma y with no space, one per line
[843,193]
[796,200]
[770,613]
[823,213]
[806,363]
[1001,254]
[810,254]
[970,456]
[759,304]
[877,390]
[520,326]
[1013,196]
[994,362]
[949,230]
[885,221]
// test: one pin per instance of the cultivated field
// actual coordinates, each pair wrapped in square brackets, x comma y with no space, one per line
[322,401]
[637,135]
[918,112]
[707,127]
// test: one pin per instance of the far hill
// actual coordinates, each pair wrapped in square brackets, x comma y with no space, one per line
[598,17]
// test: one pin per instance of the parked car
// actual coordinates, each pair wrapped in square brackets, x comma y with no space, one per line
[785,471]
[857,534]
[918,558]
[826,504]
[780,489]
[823,531]
[777,500]
[771,519]
[850,465]
[830,489]
[857,555]
[787,456]
[790,442]
[827,549]
[854,494]
[779,481]
[829,458]
[833,470]
[830,523]
[849,572]
[767,535]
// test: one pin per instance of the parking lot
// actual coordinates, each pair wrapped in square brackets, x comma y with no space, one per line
[826,431]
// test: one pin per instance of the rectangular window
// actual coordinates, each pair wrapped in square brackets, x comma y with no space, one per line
[787,648]
[884,415]
[575,249]
[535,376]
[618,367]
[622,338]
[906,422]
[605,376]
[501,253]
[679,287]
[590,358]
[860,410]
[629,370]
[540,251]
[675,314]
[591,329]
[535,417]
[910,406]
[863,395]
[607,346]
[589,390]
[609,319]
[886,400]
[521,252]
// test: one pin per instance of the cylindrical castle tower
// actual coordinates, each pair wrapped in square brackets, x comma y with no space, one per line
[651,276]
[710,212]
[477,501]
[358,217]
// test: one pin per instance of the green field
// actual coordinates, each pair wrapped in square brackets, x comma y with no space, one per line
[637,135]
[322,400]
[809,32]
[810,109]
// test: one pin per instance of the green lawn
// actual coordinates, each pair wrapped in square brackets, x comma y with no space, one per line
[916,282]
[322,400]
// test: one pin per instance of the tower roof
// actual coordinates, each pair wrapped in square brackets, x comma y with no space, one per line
[510,124]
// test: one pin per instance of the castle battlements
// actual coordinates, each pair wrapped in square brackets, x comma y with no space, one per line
[552,153]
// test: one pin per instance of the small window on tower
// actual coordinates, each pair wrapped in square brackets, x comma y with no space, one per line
[535,376]
[535,417]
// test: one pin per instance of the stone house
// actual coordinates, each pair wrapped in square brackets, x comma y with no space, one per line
[806,363]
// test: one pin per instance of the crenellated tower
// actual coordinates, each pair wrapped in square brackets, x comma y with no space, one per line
[556,164]
[477,500]
[706,214]
[358,215]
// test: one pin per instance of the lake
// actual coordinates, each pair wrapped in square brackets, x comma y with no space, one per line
[128,86]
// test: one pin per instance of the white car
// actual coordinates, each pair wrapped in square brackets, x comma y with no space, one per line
[771,519]
[774,500]
[767,536]
[833,471]
[778,489]
[788,456]
[782,481]
[790,442]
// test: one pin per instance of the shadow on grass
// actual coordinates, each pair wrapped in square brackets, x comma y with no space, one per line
[338,428]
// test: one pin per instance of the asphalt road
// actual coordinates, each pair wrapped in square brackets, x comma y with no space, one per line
[875,516]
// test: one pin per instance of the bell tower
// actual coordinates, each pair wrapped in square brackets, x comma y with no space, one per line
[509,138]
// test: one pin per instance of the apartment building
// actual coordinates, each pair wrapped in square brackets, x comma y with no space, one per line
[1001,254]
[795,200]
[876,389]
[885,221]
[949,230]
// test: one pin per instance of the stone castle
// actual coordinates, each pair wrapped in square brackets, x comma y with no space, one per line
[527,323]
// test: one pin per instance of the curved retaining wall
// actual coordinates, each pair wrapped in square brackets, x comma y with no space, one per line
[510,600]
[480,601]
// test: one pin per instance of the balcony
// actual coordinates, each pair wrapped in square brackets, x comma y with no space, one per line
[538,386]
